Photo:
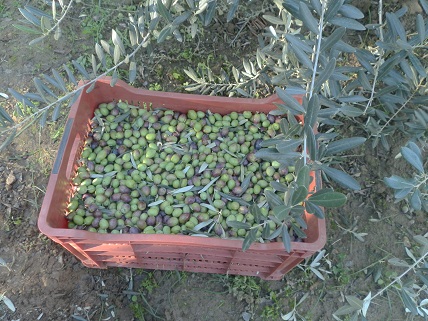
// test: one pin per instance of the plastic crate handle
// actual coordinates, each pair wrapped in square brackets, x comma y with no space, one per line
[62,146]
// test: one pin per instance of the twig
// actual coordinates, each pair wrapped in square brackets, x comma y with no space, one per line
[401,275]
[380,60]
[314,73]
[70,94]
[59,20]
[401,108]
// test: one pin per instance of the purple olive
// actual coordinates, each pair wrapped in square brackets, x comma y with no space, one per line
[134,230]
[96,222]
[116,197]
[112,224]
[151,220]
[184,218]
[218,229]
[125,198]
[124,189]
[92,208]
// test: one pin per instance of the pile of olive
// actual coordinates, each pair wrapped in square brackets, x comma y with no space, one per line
[160,171]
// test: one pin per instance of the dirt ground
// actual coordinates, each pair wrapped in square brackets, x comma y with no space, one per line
[45,282]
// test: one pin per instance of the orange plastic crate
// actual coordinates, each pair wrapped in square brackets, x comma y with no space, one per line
[268,261]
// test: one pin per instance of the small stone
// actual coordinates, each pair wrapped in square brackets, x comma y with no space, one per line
[10,179]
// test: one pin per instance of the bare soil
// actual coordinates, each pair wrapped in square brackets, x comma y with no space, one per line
[45,282]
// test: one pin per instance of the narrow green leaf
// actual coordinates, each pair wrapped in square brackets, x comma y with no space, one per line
[354,301]
[30,17]
[81,69]
[163,11]
[266,231]
[273,20]
[107,48]
[332,9]
[408,302]
[351,111]
[94,65]
[203,224]
[299,195]
[43,119]
[412,158]
[232,10]
[8,303]
[209,15]
[342,145]
[249,239]
[117,41]
[39,86]
[351,12]
[347,23]
[271,141]
[303,178]
[282,212]
[290,145]
[56,112]
[311,143]
[307,18]
[396,26]
[5,115]
[36,40]
[181,18]
[114,78]
[90,88]
[417,65]
[420,27]
[298,230]
[273,199]
[238,225]
[116,55]
[344,310]
[316,4]
[27,29]
[298,43]
[100,54]
[208,185]
[325,74]
[59,80]
[70,75]
[400,194]
[165,32]
[416,200]
[330,199]
[423,278]
[210,207]
[314,209]
[415,148]
[341,178]
[286,238]
[132,71]
[182,189]
[312,111]
[235,198]
[58,33]
[45,24]
[302,57]
[21,98]
[257,213]
[289,100]
[388,65]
